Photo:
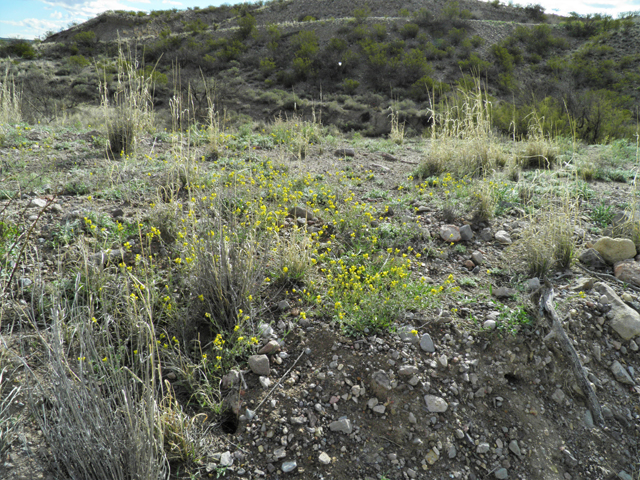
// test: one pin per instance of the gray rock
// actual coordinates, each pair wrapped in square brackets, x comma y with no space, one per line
[259,364]
[569,459]
[450,233]
[283,305]
[593,259]
[265,330]
[324,459]
[489,324]
[265,382]
[503,237]
[406,334]
[289,466]
[451,451]
[432,456]
[477,258]
[501,473]
[615,249]
[381,384]
[621,374]
[435,404]
[230,379]
[299,212]
[407,370]
[622,475]
[623,319]
[532,284]
[37,203]
[379,409]
[628,271]
[558,396]
[633,346]
[226,460]
[271,346]
[588,420]
[345,152]
[584,284]
[466,233]
[412,418]
[483,447]
[515,448]
[426,344]
[342,425]
[504,292]
[372,402]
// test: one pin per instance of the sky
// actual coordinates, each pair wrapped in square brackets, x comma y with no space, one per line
[30,19]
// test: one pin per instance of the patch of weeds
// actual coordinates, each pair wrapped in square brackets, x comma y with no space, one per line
[603,214]
[65,233]
[512,320]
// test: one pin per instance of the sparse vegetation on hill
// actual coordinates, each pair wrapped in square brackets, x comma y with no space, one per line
[208,269]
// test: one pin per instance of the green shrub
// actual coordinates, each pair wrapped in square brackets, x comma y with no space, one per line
[273,37]
[267,66]
[85,39]
[349,85]
[21,49]
[308,18]
[423,17]
[196,26]
[456,35]
[409,30]
[474,64]
[535,12]
[78,61]
[361,14]
[247,25]
[122,134]
[337,44]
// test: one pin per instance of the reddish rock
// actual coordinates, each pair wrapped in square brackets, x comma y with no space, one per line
[469,264]
[628,271]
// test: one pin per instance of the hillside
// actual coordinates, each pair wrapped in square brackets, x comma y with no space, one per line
[214,269]
[354,62]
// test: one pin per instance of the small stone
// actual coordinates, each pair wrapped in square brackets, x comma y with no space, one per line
[345,152]
[289,466]
[431,457]
[407,370]
[451,451]
[372,402]
[558,396]
[622,475]
[324,459]
[477,258]
[627,271]
[408,334]
[486,235]
[265,382]
[299,212]
[503,237]
[615,249]
[226,460]
[380,384]
[37,203]
[593,259]
[436,404]
[532,284]
[259,364]
[466,233]
[459,434]
[450,233]
[483,447]
[230,379]
[426,344]
[265,330]
[588,419]
[271,346]
[623,319]
[621,374]
[633,346]
[343,426]
[379,409]
[469,265]
[583,284]
[569,459]
[489,325]
[412,418]
[504,292]
[283,305]
[514,447]
[501,473]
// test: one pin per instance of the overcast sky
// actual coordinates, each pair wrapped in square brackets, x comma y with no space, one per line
[32,18]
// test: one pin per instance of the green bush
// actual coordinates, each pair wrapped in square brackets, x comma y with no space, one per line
[456,35]
[85,39]
[78,61]
[409,30]
[474,64]
[196,26]
[21,48]
[361,14]
[247,25]
[349,85]
[535,12]
[267,66]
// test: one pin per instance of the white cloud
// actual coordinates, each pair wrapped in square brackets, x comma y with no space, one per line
[56,15]
[83,9]
[36,24]
[171,2]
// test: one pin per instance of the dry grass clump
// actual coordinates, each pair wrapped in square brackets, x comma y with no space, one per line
[537,151]
[10,111]
[462,139]
[101,417]
[483,202]
[547,242]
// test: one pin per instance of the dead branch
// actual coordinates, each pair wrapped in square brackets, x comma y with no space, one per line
[547,310]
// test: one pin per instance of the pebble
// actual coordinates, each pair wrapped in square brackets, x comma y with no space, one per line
[514,447]
[633,346]
[501,473]
[432,457]
[324,459]
[406,334]
[489,324]
[226,460]
[621,374]
[466,233]
[342,425]
[483,447]
[450,233]
[259,364]
[289,466]
[477,258]
[503,237]
[407,370]
[426,343]
[436,404]
[265,382]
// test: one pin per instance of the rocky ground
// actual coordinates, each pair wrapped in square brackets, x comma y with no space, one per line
[470,389]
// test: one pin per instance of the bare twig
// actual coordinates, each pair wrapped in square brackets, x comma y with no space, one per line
[278,382]
[546,309]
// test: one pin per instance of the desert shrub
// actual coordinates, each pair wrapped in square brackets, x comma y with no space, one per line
[456,35]
[453,14]
[194,27]
[426,88]
[423,17]
[590,25]
[267,66]
[477,41]
[361,14]
[247,24]
[20,48]
[378,31]
[273,37]
[535,12]
[78,61]
[409,30]
[414,66]
[539,39]
[350,85]
[474,64]
[337,44]
[85,39]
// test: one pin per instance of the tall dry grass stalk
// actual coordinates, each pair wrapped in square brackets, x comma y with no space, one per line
[462,141]
[129,111]
[10,109]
